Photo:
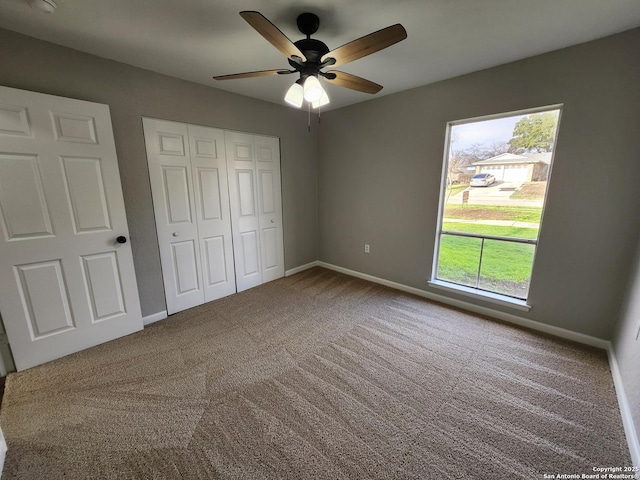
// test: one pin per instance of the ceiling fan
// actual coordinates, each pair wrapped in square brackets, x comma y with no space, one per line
[310,56]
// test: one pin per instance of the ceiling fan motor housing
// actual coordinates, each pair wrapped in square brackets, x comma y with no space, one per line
[308,23]
[313,49]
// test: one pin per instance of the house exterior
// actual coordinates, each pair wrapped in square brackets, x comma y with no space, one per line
[509,167]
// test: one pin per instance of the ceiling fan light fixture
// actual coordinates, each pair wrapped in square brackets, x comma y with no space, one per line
[295,95]
[313,91]
[324,100]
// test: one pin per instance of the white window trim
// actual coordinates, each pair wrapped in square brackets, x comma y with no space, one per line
[478,294]
[471,291]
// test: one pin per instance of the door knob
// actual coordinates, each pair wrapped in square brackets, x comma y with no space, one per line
[175,234]
[121,239]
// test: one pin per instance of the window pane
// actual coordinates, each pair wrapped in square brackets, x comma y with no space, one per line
[497,174]
[459,259]
[495,183]
[506,267]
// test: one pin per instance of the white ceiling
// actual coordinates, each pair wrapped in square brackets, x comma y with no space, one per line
[196,39]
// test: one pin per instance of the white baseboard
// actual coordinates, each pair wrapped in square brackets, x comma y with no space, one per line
[154,317]
[301,268]
[625,410]
[489,312]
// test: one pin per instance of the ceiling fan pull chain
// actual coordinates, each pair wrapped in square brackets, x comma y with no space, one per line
[309,110]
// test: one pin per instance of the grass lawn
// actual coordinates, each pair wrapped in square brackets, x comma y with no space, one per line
[493,212]
[497,231]
[455,189]
[506,266]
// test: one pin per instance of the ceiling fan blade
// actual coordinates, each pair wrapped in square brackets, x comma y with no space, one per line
[273,35]
[354,83]
[367,45]
[260,73]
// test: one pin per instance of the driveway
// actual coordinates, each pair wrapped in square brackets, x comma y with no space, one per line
[497,194]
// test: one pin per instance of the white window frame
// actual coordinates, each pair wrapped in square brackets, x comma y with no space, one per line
[473,292]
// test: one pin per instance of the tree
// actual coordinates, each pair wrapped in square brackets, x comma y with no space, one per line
[455,165]
[483,151]
[534,133]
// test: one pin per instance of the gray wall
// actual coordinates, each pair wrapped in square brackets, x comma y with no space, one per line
[380,165]
[131,93]
[627,347]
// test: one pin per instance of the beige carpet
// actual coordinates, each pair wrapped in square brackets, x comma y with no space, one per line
[317,376]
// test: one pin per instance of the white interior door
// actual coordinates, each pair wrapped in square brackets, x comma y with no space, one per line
[188,174]
[256,208]
[66,282]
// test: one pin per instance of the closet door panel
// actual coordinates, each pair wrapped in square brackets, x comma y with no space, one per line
[215,258]
[172,187]
[270,207]
[209,167]
[245,221]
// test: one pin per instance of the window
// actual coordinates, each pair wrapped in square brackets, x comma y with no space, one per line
[495,177]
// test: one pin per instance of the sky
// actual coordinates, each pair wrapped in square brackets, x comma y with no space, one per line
[483,132]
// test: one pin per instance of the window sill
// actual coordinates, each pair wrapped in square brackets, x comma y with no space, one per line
[481,295]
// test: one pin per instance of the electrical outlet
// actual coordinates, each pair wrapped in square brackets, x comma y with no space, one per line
[366,248]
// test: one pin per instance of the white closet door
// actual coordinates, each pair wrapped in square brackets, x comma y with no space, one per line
[267,151]
[209,171]
[66,282]
[256,208]
[176,219]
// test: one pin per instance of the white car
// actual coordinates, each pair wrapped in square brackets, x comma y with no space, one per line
[482,180]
